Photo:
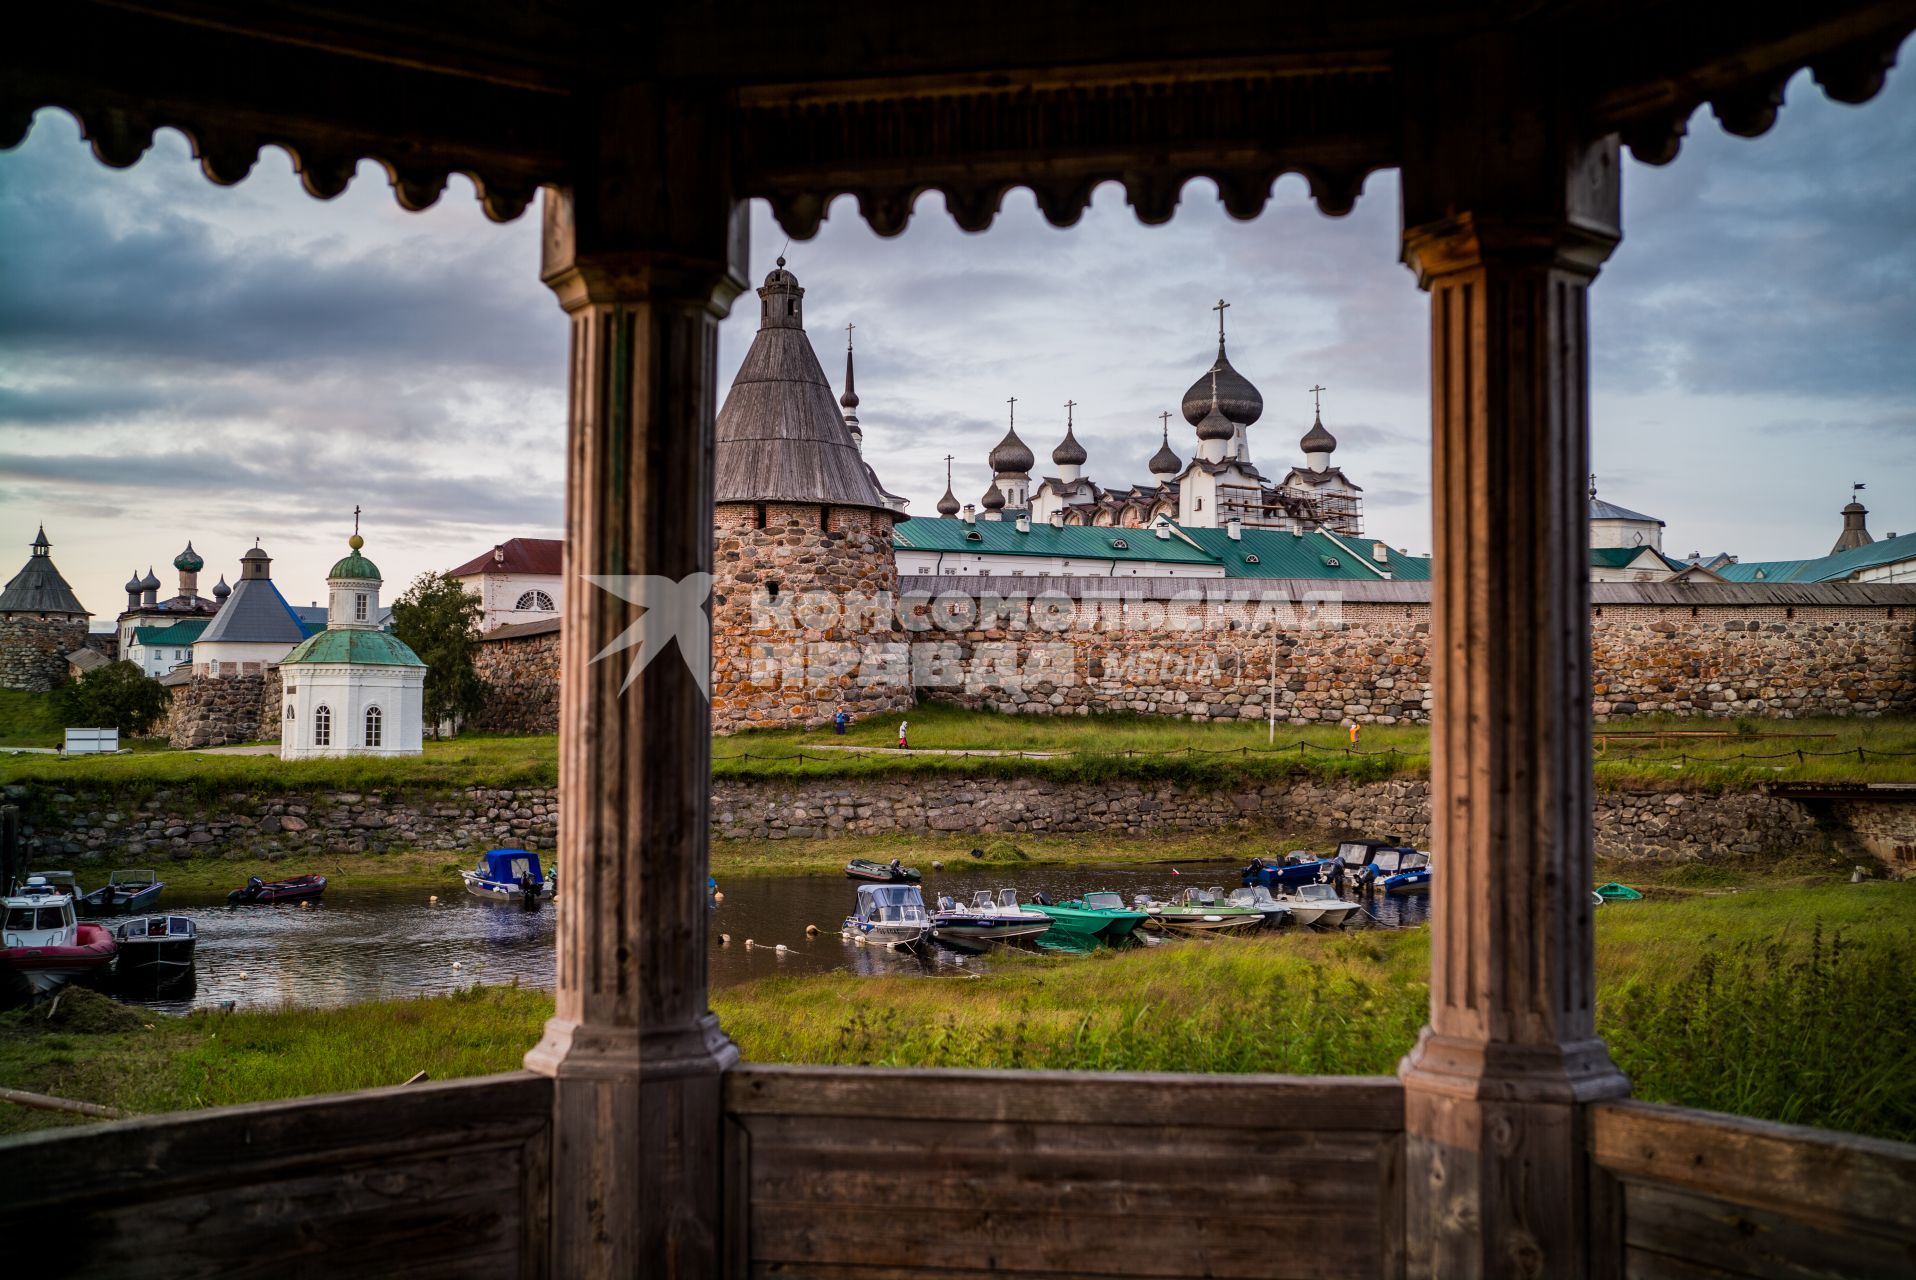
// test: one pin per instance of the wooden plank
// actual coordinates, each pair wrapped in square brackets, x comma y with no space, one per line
[155,1156]
[860,1137]
[1755,1242]
[1340,1243]
[1392,1248]
[450,1215]
[1841,1181]
[1313,1103]
[1647,1264]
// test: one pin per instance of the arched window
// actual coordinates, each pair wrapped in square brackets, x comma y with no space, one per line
[534,600]
[322,726]
[289,711]
[373,725]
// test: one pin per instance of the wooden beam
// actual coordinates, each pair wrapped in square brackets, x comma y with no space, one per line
[1507,218]
[645,255]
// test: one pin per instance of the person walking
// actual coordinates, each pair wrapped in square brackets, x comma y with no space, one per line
[902,745]
[839,722]
[1357,731]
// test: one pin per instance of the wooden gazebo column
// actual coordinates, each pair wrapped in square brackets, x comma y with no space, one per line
[646,252]
[1506,221]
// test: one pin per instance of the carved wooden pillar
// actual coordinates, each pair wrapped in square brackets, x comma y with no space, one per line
[1506,222]
[645,254]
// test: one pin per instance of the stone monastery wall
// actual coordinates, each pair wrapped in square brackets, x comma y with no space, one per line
[1339,652]
[217,711]
[522,684]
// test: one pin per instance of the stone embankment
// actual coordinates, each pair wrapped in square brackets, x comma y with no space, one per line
[83,826]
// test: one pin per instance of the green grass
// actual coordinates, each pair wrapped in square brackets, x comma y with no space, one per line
[29,720]
[1793,1003]
[1080,749]
[474,761]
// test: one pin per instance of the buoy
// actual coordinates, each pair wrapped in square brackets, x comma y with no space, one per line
[242,975]
[457,965]
[748,944]
[860,940]
[725,939]
[811,931]
[781,948]
[434,898]
[305,906]
[937,865]
[717,896]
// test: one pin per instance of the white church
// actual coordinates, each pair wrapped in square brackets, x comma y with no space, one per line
[353,689]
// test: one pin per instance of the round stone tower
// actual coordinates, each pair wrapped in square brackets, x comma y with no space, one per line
[804,597]
[41,622]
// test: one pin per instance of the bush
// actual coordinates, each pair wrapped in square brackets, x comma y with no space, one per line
[116,696]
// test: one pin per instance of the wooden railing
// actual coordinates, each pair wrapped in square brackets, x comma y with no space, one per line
[880,1174]
[1707,1195]
[429,1180]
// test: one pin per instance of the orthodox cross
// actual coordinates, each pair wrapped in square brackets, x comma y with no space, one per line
[1219,308]
[1165,419]
[1069,405]
[1593,484]
[947,471]
[848,336]
[1317,402]
[1013,402]
[355,519]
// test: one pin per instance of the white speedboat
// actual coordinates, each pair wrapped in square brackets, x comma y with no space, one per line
[1317,904]
[1259,899]
[987,919]
[1201,911]
[890,915]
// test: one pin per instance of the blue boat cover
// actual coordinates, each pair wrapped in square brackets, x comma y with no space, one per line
[508,865]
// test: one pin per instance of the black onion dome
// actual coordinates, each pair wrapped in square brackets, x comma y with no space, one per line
[149,582]
[1215,426]
[1011,456]
[220,589]
[994,499]
[133,583]
[1165,462]
[1236,397]
[1069,452]
[1318,440]
[948,505]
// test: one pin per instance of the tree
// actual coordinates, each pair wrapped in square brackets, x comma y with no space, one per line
[116,696]
[439,620]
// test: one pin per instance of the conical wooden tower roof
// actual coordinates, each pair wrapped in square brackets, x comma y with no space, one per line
[781,434]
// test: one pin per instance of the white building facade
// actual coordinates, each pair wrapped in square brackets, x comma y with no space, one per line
[353,689]
[519,580]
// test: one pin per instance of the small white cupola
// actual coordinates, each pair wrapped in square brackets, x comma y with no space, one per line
[352,587]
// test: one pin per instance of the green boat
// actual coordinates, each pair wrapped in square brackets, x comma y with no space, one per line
[893,872]
[1101,915]
[1614,892]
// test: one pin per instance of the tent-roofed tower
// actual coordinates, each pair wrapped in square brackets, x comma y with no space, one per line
[41,622]
[1855,527]
[800,520]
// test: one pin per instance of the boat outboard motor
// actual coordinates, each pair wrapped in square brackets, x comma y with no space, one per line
[528,890]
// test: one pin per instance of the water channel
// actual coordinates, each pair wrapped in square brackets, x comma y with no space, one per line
[378,943]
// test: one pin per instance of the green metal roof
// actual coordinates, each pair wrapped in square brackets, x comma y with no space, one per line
[183,632]
[1260,553]
[356,566]
[1824,568]
[1078,542]
[358,645]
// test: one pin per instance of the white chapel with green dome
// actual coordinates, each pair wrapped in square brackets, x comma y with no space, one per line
[353,689]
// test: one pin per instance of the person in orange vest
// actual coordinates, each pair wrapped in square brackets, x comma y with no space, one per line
[1356,731]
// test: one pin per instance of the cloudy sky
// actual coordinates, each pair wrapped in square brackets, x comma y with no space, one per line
[179,360]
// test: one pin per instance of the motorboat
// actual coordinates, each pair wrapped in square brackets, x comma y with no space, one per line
[987,919]
[1259,899]
[1199,911]
[893,872]
[156,948]
[891,915]
[46,943]
[1402,870]
[125,893]
[1296,867]
[512,875]
[1317,904]
[1099,915]
[269,891]
[1369,864]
